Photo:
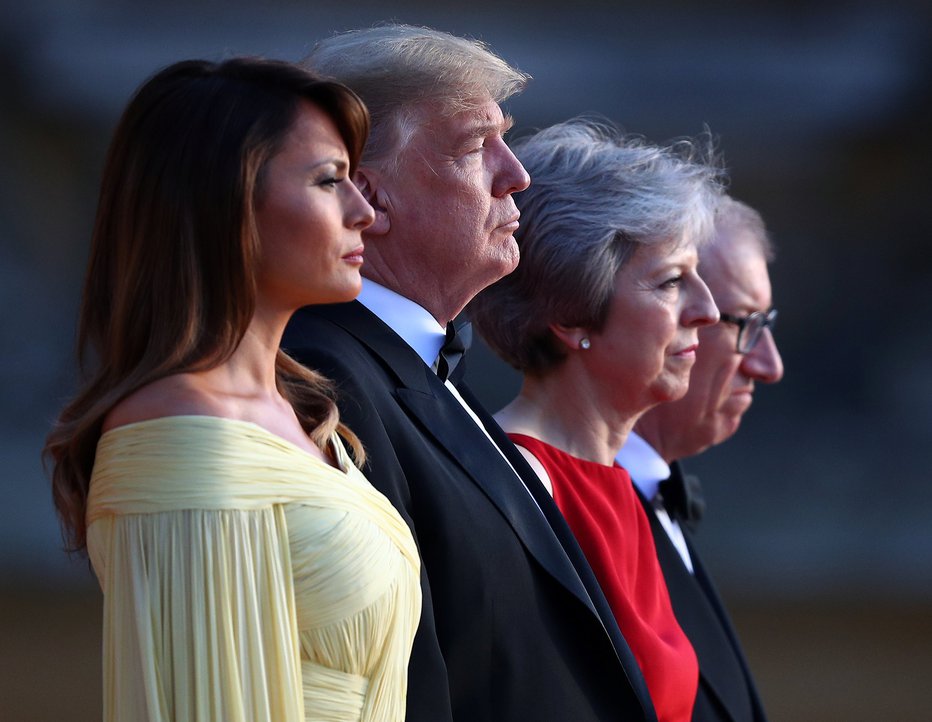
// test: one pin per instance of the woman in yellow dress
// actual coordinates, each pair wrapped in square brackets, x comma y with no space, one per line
[249,570]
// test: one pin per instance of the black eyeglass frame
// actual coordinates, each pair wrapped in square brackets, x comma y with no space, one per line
[750,328]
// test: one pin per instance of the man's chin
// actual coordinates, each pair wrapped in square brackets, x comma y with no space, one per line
[510,256]
[503,266]
[737,405]
[727,428]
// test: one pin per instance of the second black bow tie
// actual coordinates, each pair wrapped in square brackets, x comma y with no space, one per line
[454,346]
[682,496]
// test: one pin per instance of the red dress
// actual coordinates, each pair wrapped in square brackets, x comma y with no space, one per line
[602,509]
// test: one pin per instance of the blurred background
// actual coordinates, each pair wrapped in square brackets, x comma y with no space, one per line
[819,518]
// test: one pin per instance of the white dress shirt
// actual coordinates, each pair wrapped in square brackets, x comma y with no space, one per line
[647,470]
[412,322]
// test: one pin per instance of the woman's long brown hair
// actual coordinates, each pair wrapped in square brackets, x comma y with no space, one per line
[170,285]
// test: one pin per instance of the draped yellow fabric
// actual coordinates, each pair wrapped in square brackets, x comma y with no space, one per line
[245,580]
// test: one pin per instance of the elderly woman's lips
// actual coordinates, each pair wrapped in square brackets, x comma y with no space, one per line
[688,351]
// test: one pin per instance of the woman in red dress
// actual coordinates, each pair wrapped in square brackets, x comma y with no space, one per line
[602,316]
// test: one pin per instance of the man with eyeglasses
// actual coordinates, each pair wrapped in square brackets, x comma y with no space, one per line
[732,357]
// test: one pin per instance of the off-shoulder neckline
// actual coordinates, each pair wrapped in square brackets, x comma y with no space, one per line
[252,425]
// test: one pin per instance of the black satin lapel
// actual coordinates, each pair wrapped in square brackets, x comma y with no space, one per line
[720,666]
[442,417]
[373,333]
[551,513]
[707,587]
[583,571]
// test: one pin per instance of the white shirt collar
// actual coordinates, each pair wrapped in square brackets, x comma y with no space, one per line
[412,322]
[644,464]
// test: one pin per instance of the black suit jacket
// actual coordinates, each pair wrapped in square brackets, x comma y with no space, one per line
[726,689]
[514,626]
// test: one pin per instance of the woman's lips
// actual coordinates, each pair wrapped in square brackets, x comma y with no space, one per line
[354,256]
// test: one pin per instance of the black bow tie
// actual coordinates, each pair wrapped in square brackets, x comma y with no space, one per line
[682,496]
[454,347]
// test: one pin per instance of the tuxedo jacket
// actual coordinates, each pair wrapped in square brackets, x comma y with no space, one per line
[514,626]
[726,689]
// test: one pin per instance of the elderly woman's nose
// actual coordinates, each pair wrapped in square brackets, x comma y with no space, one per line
[700,309]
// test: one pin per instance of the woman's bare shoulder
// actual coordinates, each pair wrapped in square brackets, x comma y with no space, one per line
[176,395]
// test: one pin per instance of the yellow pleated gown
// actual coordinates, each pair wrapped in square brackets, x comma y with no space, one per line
[245,580]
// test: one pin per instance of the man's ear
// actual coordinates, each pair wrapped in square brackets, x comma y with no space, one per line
[570,336]
[368,180]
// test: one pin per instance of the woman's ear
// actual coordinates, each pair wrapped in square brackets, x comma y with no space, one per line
[573,337]
[369,183]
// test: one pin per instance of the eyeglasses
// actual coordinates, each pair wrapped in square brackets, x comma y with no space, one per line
[750,327]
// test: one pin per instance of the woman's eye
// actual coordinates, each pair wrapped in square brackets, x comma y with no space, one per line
[331,181]
[672,282]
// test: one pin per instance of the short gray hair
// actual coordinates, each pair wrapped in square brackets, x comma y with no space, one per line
[733,215]
[596,195]
[402,71]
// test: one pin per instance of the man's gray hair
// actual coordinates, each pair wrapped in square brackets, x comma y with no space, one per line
[596,195]
[403,72]
[733,215]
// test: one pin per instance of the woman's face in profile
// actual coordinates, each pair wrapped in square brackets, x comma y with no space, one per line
[310,217]
[645,351]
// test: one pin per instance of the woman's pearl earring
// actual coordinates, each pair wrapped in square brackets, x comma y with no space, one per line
[584,343]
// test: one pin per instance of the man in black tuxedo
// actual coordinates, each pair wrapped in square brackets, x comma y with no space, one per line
[732,356]
[514,626]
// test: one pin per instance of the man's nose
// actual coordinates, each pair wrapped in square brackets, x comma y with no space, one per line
[763,362]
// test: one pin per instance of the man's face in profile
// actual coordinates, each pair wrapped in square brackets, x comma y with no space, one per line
[451,197]
[721,386]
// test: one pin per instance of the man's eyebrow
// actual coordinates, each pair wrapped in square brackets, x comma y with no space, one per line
[486,128]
